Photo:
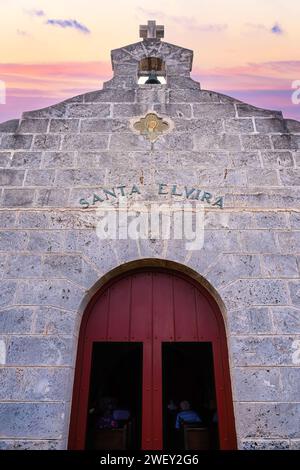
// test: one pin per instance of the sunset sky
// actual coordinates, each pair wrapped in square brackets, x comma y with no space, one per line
[51,50]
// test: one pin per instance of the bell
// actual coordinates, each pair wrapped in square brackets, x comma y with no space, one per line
[152,79]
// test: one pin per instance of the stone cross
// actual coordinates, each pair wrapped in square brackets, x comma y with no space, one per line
[152,31]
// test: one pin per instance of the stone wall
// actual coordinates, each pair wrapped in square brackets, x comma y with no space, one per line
[51,258]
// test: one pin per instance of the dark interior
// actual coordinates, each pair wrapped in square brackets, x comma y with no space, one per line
[188,375]
[115,389]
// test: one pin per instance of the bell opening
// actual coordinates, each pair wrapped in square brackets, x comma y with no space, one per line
[151,71]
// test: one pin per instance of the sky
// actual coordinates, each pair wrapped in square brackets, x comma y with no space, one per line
[51,50]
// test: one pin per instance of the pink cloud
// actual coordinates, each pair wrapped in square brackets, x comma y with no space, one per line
[33,86]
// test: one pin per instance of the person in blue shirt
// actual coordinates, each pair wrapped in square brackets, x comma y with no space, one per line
[186,415]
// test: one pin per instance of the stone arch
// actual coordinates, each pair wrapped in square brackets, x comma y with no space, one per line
[177,269]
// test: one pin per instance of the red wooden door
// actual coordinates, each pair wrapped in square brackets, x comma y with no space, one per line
[152,306]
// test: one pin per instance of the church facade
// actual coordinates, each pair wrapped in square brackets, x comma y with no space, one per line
[67,173]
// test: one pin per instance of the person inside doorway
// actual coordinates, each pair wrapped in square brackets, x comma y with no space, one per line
[186,415]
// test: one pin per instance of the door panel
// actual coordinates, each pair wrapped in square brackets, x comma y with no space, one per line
[152,306]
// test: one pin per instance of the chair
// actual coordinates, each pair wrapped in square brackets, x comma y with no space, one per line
[196,437]
[111,439]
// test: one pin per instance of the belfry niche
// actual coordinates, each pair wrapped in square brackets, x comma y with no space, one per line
[113,341]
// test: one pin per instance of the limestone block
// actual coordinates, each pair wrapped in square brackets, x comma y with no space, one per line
[49,292]
[5,159]
[238,126]
[193,96]
[64,125]
[40,444]
[46,142]
[11,241]
[295,219]
[58,159]
[16,141]
[216,242]
[171,175]
[174,110]
[149,95]
[52,197]
[14,320]
[253,320]
[39,350]
[279,159]
[7,219]
[263,350]
[256,142]
[280,384]
[36,219]
[24,266]
[40,241]
[71,267]
[230,267]
[83,177]
[100,159]
[8,289]
[258,198]
[108,96]
[270,126]
[292,126]
[229,220]
[199,159]
[97,251]
[142,159]
[216,142]
[294,288]
[39,178]
[33,126]
[290,177]
[277,420]
[244,159]
[270,220]
[85,142]
[10,177]
[105,125]
[246,110]
[257,177]
[201,126]
[9,126]
[128,110]
[248,292]
[54,321]
[18,198]
[214,111]
[35,383]
[32,420]
[289,241]
[26,160]
[280,266]
[286,320]
[128,141]
[258,384]
[286,141]
[57,110]
[265,444]
[258,241]
[99,110]
[176,141]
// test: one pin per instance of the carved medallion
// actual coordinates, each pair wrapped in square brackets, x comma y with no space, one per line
[152,126]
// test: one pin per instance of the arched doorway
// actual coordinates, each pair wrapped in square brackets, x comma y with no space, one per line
[153,310]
